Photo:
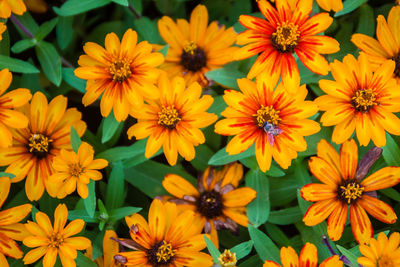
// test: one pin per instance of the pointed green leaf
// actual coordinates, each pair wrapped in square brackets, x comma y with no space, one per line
[74,7]
[115,188]
[45,29]
[264,246]
[23,45]
[118,214]
[50,61]
[16,65]
[242,250]
[110,126]
[214,252]
[223,158]
[258,210]
[75,140]
[90,201]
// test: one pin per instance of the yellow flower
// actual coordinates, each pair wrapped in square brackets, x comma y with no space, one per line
[274,120]
[328,5]
[388,44]
[15,6]
[125,71]
[10,118]
[10,228]
[173,120]
[308,257]
[227,259]
[360,100]
[217,199]
[110,248]
[49,241]
[381,252]
[196,47]
[168,239]
[73,171]
[3,28]
[36,145]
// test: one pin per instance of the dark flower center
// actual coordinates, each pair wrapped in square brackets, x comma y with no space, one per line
[39,145]
[161,254]
[168,117]
[209,204]
[286,37]
[363,100]
[193,57]
[350,191]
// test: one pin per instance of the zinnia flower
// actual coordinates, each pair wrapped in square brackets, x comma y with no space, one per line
[274,120]
[48,241]
[196,47]
[125,71]
[342,186]
[10,228]
[330,5]
[168,239]
[3,28]
[110,248]
[284,32]
[173,120]
[388,44]
[36,145]
[227,259]
[360,100]
[217,199]
[381,252]
[15,6]
[10,118]
[73,171]
[308,257]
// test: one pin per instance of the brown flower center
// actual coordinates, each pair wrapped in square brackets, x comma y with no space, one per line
[75,170]
[39,145]
[363,100]
[397,69]
[193,57]
[168,117]
[385,261]
[350,191]
[286,37]
[120,70]
[161,254]
[266,114]
[209,204]
[56,240]
[227,259]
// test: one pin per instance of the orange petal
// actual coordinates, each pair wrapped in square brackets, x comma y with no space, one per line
[15,214]
[309,255]
[178,186]
[360,224]
[337,221]
[349,159]
[157,220]
[324,172]
[319,211]
[318,192]
[383,178]
[239,197]
[378,209]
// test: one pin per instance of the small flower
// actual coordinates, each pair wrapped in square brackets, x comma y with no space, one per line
[15,6]
[330,5]
[125,71]
[381,252]
[343,186]
[10,228]
[196,47]
[3,28]
[49,241]
[308,257]
[73,171]
[173,120]
[227,259]
[110,248]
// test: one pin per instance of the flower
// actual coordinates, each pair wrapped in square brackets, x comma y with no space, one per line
[284,32]
[3,28]
[15,6]
[173,120]
[308,257]
[381,252]
[227,259]
[10,228]
[360,100]
[10,118]
[217,200]
[36,145]
[342,186]
[388,44]
[330,5]
[168,239]
[272,119]
[110,248]
[49,241]
[125,71]
[196,47]
[73,171]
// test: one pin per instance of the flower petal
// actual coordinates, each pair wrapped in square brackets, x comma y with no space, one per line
[383,178]
[360,224]
[378,209]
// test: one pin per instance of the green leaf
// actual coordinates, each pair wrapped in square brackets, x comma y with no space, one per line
[285,216]
[274,170]
[16,65]
[264,246]
[214,252]
[110,126]
[313,140]
[82,260]
[350,256]
[222,157]
[203,155]
[45,29]
[218,106]
[137,5]
[148,30]
[6,174]
[115,188]
[164,50]
[70,78]
[90,201]
[258,210]
[82,214]
[50,61]
[74,7]
[23,45]
[64,31]
[123,152]
[120,213]
[75,140]
[28,22]
[242,250]
[103,217]
[391,152]
[349,6]
[121,2]
[391,193]
[226,77]
[366,22]
[282,190]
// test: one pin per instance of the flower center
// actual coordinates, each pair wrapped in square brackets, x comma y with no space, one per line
[397,69]
[168,117]
[75,170]
[286,37]
[227,259]
[350,191]
[160,254]
[266,114]
[56,240]
[39,145]
[209,204]
[120,70]
[363,100]
[385,261]
[193,57]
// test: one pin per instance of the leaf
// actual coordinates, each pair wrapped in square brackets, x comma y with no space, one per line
[391,152]
[115,188]
[203,155]
[5,174]
[349,255]
[137,5]
[82,260]
[164,50]
[274,170]
[313,140]
[349,6]
[123,152]
[366,22]
[391,193]
[282,190]
[226,77]
[110,126]
[222,157]
[50,61]
[23,45]
[214,252]
[64,31]
[121,2]
[70,78]
[243,249]
[264,246]
[45,29]
[218,106]
[74,7]
[16,65]
[148,30]
[285,216]
[120,213]
[258,210]
[82,214]
[75,140]
[90,201]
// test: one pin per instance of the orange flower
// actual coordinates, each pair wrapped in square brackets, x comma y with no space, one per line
[125,71]
[3,28]
[330,5]
[342,186]
[110,248]
[381,252]
[10,228]
[284,32]
[15,6]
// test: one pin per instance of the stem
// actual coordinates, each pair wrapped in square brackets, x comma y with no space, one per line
[325,241]
[66,63]
[133,10]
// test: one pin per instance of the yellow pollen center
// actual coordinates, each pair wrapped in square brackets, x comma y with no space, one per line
[351,192]
[120,70]
[165,252]
[75,170]
[168,117]
[56,240]
[227,259]
[190,48]
[364,100]
[286,37]
[39,143]
[266,114]
[385,261]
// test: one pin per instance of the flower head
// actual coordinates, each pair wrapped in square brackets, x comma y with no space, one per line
[381,252]
[284,32]
[3,28]
[168,239]
[196,47]
[360,100]
[330,5]
[73,171]
[35,146]
[125,71]
[48,241]
[227,259]
[173,120]
[216,199]
[343,186]
[10,228]
[274,120]
[110,248]
[308,257]
[15,6]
